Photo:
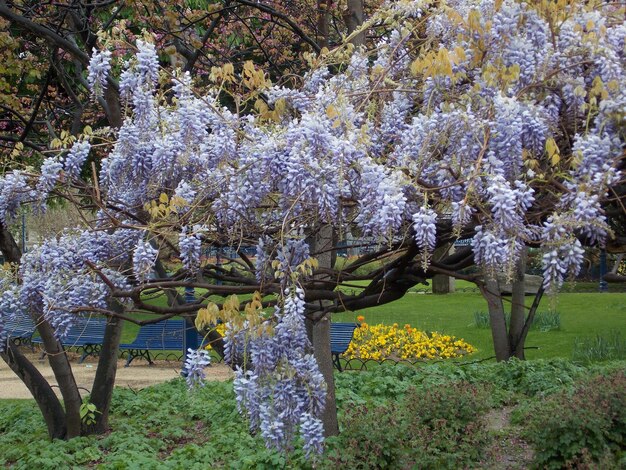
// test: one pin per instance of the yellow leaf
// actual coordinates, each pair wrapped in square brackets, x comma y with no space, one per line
[444,62]
[416,67]
[163,198]
[248,68]
[231,305]
[331,111]
[551,147]
[473,20]
[460,54]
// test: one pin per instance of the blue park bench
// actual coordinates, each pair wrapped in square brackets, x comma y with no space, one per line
[21,330]
[340,337]
[85,334]
[168,336]
[162,336]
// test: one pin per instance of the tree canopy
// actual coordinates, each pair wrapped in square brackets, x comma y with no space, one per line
[497,120]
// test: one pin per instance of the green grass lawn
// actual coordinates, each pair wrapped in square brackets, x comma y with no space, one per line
[582,315]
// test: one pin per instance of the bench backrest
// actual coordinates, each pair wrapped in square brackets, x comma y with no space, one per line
[149,332]
[340,336]
[86,331]
[21,327]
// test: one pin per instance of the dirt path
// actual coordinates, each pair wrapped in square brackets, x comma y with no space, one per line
[508,450]
[139,375]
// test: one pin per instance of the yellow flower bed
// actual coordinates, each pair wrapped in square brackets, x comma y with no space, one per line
[380,342]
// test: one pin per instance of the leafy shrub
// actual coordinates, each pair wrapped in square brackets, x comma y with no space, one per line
[599,348]
[543,321]
[583,427]
[436,428]
[380,342]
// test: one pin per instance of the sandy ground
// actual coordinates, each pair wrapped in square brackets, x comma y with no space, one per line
[139,375]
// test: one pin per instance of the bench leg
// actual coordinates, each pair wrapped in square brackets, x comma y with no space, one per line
[83,355]
[129,359]
[337,363]
[89,350]
[134,353]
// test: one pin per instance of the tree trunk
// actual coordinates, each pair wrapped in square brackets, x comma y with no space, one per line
[529,320]
[49,404]
[112,107]
[491,293]
[353,17]
[323,21]
[102,388]
[8,246]
[442,284]
[518,310]
[62,369]
[320,245]
[320,338]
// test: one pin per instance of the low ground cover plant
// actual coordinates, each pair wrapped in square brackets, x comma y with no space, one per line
[432,428]
[583,427]
[427,416]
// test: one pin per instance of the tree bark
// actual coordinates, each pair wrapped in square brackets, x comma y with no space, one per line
[320,337]
[529,320]
[518,310]
[323,21]
[102,388]
[8,246]
[353,17]
[491,293]
[319,332]
[49,404]
[441,282]
[62,369]
[112,109]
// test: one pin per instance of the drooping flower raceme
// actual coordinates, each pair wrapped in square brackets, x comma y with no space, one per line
[425,232]
[284,391]
[190,245]
[144,257]
[75,158]
[195,363]
[98,71]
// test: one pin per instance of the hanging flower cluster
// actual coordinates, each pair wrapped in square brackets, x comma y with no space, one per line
[281,388]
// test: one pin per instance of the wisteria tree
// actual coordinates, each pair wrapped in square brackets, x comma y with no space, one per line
[501,121]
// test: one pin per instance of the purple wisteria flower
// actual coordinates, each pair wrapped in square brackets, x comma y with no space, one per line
[98,71]
[144,257]
[195,363]
[424,226]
